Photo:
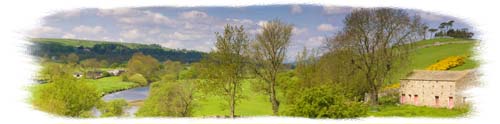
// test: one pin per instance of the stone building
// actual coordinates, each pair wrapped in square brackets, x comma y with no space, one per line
[436,88]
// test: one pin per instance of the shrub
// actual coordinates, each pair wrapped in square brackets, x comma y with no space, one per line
[173,99]
[65,96]
[447,63]
[138,78]
[113,108]
[323,103]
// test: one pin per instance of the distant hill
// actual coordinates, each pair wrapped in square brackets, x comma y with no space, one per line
[114,52]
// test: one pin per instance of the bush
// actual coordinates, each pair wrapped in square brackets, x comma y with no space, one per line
[173,99]
[448,63]
[65,96]
[323,103]
[138,78]
[113,108]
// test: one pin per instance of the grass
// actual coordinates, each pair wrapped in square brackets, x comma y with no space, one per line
[417,111]
[424,57]
[253,104]
[110,84]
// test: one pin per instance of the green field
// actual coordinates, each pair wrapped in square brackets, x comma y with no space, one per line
[253,104]
[416,111]
[423,57]
[110,84]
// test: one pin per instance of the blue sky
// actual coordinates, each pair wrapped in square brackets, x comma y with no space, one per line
[194,28]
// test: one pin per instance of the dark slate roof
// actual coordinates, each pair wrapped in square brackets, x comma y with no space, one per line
[436,75]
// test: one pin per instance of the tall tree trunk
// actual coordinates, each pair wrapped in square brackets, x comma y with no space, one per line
[373,98]
[233,100]
[274,101]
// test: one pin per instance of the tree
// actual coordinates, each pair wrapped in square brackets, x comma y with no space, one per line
[226,65]
[64,94]
[268,53]
[171,99]
[145,65]
[377,40]
[113,108]
[171,70]
[92,63]
[433,30]
[323,102]
[424,31]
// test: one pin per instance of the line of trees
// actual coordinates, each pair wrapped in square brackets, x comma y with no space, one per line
[446,29]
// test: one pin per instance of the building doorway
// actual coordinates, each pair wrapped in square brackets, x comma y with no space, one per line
[436,101]
[450,102]
[415,99]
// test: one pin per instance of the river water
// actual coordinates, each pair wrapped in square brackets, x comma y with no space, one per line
[129,95]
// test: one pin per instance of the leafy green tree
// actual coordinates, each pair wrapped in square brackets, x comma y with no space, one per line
[113,108]
[171,70]
[170,99]
[323,102]
[268,53]
[64,94]
[226,65]
[145,65]
[377,56]
[138,78]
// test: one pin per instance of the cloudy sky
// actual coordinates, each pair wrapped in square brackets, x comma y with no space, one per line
[194,28]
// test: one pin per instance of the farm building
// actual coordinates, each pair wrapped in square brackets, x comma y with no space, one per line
[436,88]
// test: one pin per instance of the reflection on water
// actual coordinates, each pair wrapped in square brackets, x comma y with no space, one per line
[130,95]
[133,94]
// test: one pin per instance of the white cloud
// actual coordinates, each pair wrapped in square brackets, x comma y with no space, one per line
[117,12]
[88,29]
[296,9]
[431,17]
[146,17]
[131,34]
[44,30]
[325,27]
[335,10]
[193,15]
[314,42]
[68,35]
[171,44]
[298,31]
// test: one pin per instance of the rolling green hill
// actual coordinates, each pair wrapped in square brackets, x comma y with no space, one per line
[113,52]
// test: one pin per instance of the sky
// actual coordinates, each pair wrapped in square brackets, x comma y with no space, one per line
[194,28]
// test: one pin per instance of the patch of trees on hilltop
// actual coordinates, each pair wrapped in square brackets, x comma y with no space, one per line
[111,52]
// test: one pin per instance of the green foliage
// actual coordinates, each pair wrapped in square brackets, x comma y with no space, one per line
[65,95]
[139,79]
[113,108]
[112,52]
[172,99]
[324,103]
[389,99]
[145,65]
[418,111]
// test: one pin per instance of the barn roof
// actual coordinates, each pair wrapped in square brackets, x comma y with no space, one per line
[436,75]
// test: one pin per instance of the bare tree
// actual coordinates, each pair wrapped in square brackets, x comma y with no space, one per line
[268,54]
[227,64]
[378,43]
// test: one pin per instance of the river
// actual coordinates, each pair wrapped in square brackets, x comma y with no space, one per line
[129,95]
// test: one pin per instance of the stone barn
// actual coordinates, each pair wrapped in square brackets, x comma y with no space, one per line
[436,88]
